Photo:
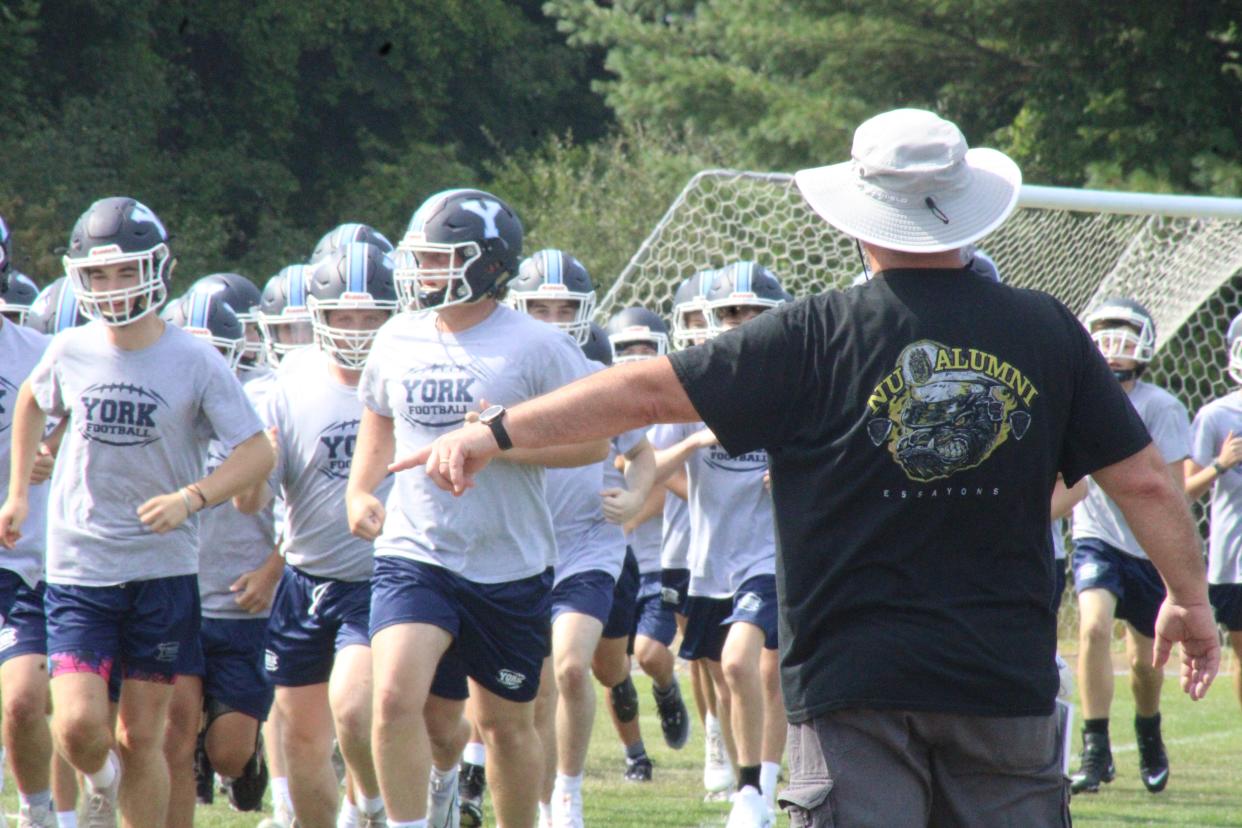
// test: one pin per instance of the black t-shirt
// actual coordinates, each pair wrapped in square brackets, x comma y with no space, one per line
[915,426]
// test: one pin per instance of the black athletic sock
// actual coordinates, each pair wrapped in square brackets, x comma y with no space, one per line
[1147,725]
[1096,726]
[635,751]
[748,775]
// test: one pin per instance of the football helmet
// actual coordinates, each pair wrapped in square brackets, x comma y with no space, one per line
[1233,342]
[356,275]
[554,274]
[5,247]
[636,326]
[460,246]
[742,284]
[348,233]
[56,308]
[119,231]
[691,298]
[596,347]
[17,294]
[1122,328]
[243,296]
[284,318]
[207,316]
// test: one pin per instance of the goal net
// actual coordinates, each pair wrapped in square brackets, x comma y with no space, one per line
[1178,255]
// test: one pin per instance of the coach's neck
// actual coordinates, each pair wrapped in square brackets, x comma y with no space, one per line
[881,258]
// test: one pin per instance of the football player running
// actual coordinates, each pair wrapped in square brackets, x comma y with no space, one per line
[460,590]
[123,554]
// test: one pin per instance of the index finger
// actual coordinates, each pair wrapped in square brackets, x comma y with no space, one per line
[418,458]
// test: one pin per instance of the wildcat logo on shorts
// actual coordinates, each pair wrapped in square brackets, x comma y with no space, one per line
[271,661]
[338,441]
[1088,571]
[440,396]
[120,414]
[8,639]
[167,650]
[943,410]
[752,461]
[510,679]
[749,602]
[670,595]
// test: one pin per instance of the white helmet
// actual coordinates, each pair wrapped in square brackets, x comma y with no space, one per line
[1123,328]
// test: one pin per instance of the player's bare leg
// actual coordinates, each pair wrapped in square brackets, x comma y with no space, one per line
[1096,611]
[349,695]
[403,657]
[141,720]
[1235,643]
[307,746]
[27,738]
[574,639]
[1146,682]
[545,725]
[775,724]
[514,756]
[185,716]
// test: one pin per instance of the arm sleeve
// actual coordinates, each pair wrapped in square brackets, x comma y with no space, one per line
[746,383]
[1170,430]
[226,407]
[45,384]
[371,389]
[1204,443]
[1103,428]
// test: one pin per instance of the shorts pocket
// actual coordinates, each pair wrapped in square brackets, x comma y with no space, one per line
[807,804]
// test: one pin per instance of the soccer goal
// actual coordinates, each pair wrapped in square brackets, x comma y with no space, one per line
[1178,255]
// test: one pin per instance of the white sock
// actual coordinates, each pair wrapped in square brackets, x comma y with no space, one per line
[280,793]
[349,817]
[474,753]
[712,725]
[66,819]
[418,823]
[768,774]
[372,805]
[106,775]
[442,776]
[545,813]
[42,799]
[571,784]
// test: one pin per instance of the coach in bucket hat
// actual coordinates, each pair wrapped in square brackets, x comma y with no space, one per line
[915,426]
[913,185]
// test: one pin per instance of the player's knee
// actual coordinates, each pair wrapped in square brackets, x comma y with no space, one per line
[737,670]
[625,700]
[25,710]
[79,737]
[572,677]
[353,721]
[1141,667]
[229,759]
[139,738]
[390,705]
[1096,631]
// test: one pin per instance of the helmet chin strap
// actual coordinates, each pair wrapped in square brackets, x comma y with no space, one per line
[1125,375]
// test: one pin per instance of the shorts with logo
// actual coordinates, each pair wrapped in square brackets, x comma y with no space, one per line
[675,587]
[500,631]
[312,620]
[140,627]
[654,618]
[586,593]
[708,619]
[1227,601]
[1134,581]
[620,623]
[229,659]
[25,626]
[10,584]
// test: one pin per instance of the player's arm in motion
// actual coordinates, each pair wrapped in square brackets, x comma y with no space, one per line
[621,505]
[28,424]
[1065,498]
[1200,478]
[670,461]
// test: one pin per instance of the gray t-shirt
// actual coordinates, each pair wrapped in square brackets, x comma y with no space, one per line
[1212,425]
[732,528]
[230,543]
[427,380]
[1096,516]
[139,425]
[20,350]
[316,420]
[675,537]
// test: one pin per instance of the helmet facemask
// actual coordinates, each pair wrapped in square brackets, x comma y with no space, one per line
[579,328]
[426,276]
[136,301]
[349,347]
[1235,360]
[637,335]
[286,332]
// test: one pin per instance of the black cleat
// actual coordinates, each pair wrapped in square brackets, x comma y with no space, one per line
[674,719]
[638,770]
[471,784]
[204,775]
[1096,765]
[1153,761]
[246,791]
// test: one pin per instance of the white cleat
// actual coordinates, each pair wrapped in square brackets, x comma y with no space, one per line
[717,772]
[750,810]
[566,809]
[443,802]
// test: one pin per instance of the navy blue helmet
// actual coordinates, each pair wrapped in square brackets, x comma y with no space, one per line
[637,326]
[205,315]
[348,233]
[554,274]
[596,347]
[284,317]
[18,294]
[120,231]
[355,276]
[56,308]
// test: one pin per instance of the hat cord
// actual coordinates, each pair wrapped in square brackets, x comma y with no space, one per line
[936,211]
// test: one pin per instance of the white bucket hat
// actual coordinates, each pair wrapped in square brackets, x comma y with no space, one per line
[914,185]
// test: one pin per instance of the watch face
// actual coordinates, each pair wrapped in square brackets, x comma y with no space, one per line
[491,413]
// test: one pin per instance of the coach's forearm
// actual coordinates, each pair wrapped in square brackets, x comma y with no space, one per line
[560,457]
[608,402]
[1157,512]
[28,423]
[247,465]
[373,451]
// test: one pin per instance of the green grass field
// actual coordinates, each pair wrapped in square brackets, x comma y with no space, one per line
[1205,789]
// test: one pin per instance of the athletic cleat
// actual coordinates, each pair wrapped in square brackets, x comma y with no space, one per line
[246,791]
[750,810]
[100,807]
[36,816]
[638,770]
[717,772]
[379,820]
[204,775]
[566,809]
[1153,761]
[443,802]
[471,784]
[674,719]
[1096,765]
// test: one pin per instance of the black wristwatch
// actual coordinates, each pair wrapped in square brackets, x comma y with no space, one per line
[493,418]
[1220,469]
